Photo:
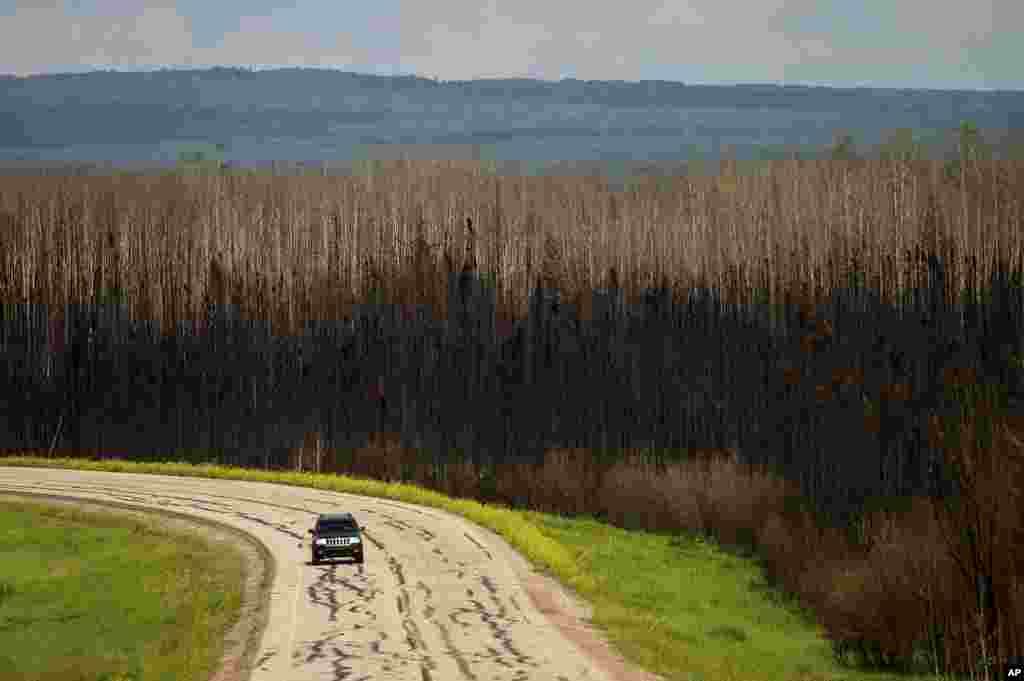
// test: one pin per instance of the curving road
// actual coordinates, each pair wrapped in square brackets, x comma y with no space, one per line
[438,599]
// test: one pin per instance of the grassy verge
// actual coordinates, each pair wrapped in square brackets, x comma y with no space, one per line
[675,605]
[98,596]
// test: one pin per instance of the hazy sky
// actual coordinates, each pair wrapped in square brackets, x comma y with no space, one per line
[886,43]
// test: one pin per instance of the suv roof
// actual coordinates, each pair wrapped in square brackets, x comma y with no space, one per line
[335,518]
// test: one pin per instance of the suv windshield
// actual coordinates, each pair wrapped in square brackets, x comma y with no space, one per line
[336,527]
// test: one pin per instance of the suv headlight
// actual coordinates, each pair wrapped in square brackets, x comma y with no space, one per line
[353,540]
[320,542]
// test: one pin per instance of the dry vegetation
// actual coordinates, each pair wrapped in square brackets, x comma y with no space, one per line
[295,249]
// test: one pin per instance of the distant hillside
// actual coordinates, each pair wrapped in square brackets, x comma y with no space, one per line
[310,114]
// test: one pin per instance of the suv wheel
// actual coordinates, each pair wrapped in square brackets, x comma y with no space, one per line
[359,559]
[314,560]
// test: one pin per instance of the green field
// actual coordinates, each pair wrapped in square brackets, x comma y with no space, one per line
[91,596]
[675,605]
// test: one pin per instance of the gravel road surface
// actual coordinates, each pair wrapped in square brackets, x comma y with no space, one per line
[438,598]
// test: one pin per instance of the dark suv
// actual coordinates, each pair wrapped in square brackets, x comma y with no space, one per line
[336,535]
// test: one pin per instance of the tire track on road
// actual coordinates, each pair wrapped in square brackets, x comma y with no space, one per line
[438,599]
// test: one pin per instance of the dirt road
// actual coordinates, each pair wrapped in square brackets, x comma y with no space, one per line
[438,598]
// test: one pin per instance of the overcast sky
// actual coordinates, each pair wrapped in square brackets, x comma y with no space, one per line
[974,44]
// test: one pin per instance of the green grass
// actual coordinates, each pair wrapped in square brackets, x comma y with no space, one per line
[684,607]
[678,606]
[91,596]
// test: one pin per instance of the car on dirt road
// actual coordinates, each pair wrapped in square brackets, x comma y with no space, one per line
[336,535]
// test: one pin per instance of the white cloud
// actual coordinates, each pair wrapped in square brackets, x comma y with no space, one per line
[36,37]
[815,49]
[256,42]
[729,40]
[603,40]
